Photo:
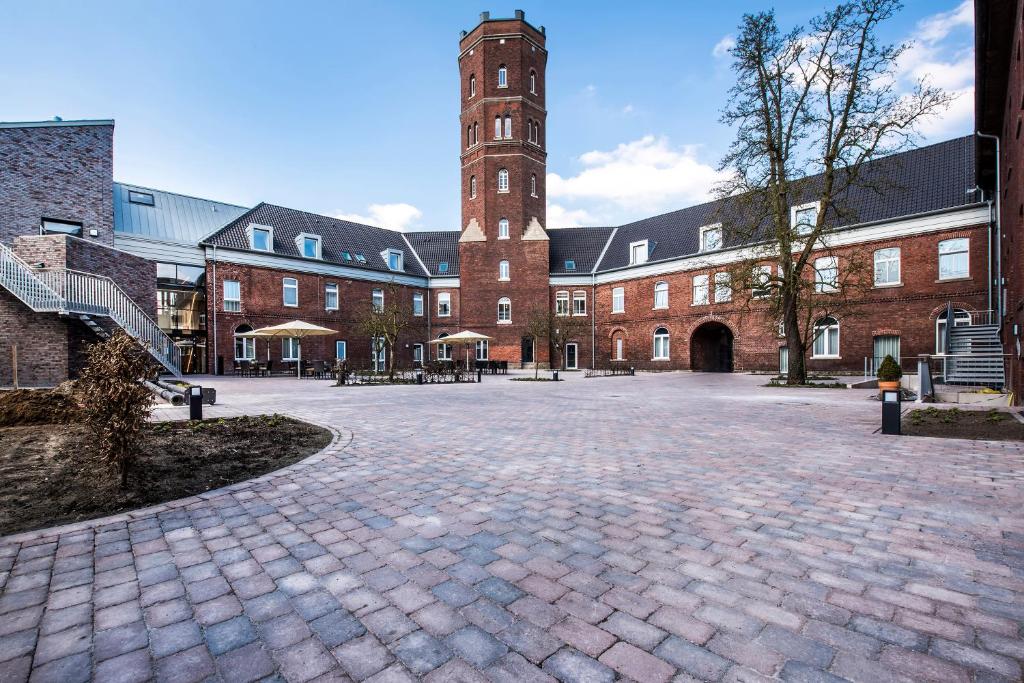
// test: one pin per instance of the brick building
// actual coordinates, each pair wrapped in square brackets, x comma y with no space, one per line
[648,294]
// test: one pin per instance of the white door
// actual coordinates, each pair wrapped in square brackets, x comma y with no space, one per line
[571,353]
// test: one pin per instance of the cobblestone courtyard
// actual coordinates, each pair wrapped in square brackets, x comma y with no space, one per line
[664,527]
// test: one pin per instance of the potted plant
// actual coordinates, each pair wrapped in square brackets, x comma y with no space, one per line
[889,374]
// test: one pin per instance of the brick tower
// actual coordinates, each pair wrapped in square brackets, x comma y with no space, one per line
[503,249]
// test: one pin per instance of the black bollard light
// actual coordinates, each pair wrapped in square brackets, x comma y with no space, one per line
[479,375]
[419,376]
[891,404]
[555,373]
[195,403]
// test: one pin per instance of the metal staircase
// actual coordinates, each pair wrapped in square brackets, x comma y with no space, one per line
[86,296]
[973,351]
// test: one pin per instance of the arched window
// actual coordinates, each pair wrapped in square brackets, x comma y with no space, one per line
[503,270]
[469,136]
[508,126]
[536,132]
[476,132]
[497,127]
[444,351]
[533,81]
[529,129]
[502,76]
[503,229]
[661,344]
[533,184]
[472,187]
[245,347]
[661,295]
[472,85]
[503,180]
[504,309]
[618,346]
[960,317]
[826,338]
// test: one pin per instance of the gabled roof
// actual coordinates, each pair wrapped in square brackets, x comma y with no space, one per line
[171,217]
[437,247]
[583,246]
[337,236]
[922,180]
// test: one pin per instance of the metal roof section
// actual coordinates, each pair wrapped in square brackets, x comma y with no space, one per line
[55,123]
[168,216]
[436,247]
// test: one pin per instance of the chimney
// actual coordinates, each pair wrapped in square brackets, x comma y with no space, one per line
[520,15]
[484,16]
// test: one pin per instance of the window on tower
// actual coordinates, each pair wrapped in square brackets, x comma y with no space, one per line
[533,184]
[502,76]
[536,132]
[476,132]
[472,187]
[497,127]
[469,136]
[508,126]
[503,180]
[472,85]
[533,81]
[503,229]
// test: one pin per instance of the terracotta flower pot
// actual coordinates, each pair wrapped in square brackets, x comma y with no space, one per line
[888,386]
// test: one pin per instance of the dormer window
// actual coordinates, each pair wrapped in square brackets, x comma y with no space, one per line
[309,246]
[570,265]
[637,252]
[442,267]
[711,237]
[347,255]
[502,76]
[395,260]
[261,237]
[804,218]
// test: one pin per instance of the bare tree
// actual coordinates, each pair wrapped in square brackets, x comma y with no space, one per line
[557,330]
[384,323]
[811,107]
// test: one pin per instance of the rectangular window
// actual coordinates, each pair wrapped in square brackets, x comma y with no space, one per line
[700,290]
[417,303]
[291,291]
[618,349]
[826,274]
[887,267]
[417,354]
[886,345]
[481,350]
[762,277]
[579,303]
[618,300]
[232,296]
[331,297]
[783,360]
[804,218]
[637,252]
[395,261]
[341,350]
[377,300]
[52,227]
[444,351]
[379,354]
[562,303]
[661,295]
[826,340]
[954,260]
[444,305]
[723,288]
[290,348]
[361,259]
[570,265]
[711,238]
[311,247]
[503,270]
[442,267]
[245,348]
[261,239]
[144,198]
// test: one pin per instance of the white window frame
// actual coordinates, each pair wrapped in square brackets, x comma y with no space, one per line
[887,261]
[482,350]
[503,229]
[472,187]
[300,243]
[232,304]
[660,292]
[701,283]
[503,271]
[503,180]
[761,286]
[472,85]
[967,258]
[579,303]
[533,184]
[444,351]
[723,287]
[508,126]
[575,364]
[378,354]
[417,304]
[377,300]
[251,232]
[638,252]
[329,289]
[715,228]
[502,76]
[417,353]
[795,210]
[290,349]
[248,348]
[562,303]
[387,254]
[444,304]
[504,311]
[533,82]
[285,286]
[618,299]
[618,344]
[825,264]
[497,127]
[823,332]
[665,350]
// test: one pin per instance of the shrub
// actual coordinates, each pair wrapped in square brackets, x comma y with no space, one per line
[113,402]
[889,370]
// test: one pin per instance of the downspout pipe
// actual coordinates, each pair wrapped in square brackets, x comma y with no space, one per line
[593,321]
[214,371]
[999,235]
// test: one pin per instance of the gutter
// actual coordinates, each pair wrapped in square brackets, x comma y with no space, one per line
[999,238]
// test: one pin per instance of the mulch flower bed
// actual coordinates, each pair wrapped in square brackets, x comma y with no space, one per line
[953,423]
[49,474]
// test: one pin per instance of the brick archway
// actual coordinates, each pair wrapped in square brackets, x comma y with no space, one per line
[711,347]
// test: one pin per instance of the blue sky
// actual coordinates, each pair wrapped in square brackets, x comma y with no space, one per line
[352,108]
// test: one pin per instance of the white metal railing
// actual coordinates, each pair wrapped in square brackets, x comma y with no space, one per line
[68,291]
[981,317]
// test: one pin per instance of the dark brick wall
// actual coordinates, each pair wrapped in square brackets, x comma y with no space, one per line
[42,341]
[60,172]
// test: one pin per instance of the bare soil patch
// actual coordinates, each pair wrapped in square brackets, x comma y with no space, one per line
[50,476]
[953,423]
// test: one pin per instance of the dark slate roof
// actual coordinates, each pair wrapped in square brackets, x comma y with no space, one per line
[435,247]
[582,245]
[336,236]
[918,181]
[171,217]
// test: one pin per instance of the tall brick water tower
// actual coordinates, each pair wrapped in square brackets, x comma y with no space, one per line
[503,249]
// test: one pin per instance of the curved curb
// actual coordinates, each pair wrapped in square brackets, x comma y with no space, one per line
[338,443]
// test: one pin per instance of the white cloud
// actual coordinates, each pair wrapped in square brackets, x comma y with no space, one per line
[628,109]
[561,217]
[398,216]
[723,46]
[938,26]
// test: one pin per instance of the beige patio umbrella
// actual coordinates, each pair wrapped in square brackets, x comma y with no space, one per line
[295,328]
[464,338]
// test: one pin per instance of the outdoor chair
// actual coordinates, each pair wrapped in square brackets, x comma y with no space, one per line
[503,366]
[237,368]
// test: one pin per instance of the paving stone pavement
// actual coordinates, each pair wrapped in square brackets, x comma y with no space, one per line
[669,527]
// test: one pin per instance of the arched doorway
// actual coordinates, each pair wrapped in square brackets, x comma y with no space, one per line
[711,348]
